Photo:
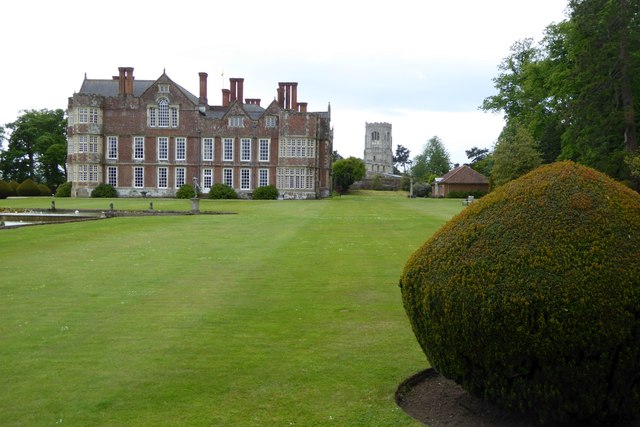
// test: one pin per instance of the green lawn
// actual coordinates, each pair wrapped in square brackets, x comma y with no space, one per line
[287,313]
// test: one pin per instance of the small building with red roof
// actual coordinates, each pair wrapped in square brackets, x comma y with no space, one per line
[460,179]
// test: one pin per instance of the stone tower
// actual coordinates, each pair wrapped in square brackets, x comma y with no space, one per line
[378,154]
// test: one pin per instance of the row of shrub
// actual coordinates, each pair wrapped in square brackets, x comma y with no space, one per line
[26,188]
[187,191]
[464,194]
[223,191]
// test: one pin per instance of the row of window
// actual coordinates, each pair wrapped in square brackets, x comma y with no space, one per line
[297,147]
[287,178]
[84,115]
[162,115]
[89,144]
[290,147]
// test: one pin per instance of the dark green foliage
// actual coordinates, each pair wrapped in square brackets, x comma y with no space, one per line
[346,172]
[464,194]
[531,296]
[37,147]
[64,190]
[186,192]
[104,191]
[222,191]
[5,190]
[44,190]
[268,192]
[376,183]
[28,188]
[421,189]
[14,187]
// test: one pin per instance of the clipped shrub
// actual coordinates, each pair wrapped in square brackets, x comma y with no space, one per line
[14,187]
[28,188]
[530,297]
[186,191]
[45,190]
[104,191]
[222,191]
[64,190]
[268,192]
[421,189]
[5,190]
[464,194]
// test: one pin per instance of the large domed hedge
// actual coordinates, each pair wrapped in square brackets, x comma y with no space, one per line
[530,297]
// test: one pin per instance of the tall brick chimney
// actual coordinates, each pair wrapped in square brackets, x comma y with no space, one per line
[241,90]
[226,97]
[121,81]
[237,90]
[125,80]
[288,95]
[129,80]
[203,88]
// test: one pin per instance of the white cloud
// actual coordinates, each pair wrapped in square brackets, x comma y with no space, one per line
[424,67]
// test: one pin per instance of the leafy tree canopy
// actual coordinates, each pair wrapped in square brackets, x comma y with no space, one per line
[577,92]
[346,172]
[516,153]
[401,157]
[433,161]
[37,147]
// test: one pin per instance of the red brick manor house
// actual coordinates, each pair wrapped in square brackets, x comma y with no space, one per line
[149,137]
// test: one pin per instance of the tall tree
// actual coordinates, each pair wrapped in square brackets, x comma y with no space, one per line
[604,83]
[578,91]
[346,172]
[435,157]
[401,158]
[516,153]
[476,154]
[36,147]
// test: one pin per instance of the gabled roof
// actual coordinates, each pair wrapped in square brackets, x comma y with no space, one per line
[463,175]
[111,87]
[105,87]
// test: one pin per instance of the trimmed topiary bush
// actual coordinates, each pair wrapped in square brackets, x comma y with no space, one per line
[530,297]
[28,188]
[104,191]
[186,192]
[64,190]
[268,192]
[222,191]
[45,190]
[14,187]
[5,190]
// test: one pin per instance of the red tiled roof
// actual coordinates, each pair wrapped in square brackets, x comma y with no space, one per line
[463,175]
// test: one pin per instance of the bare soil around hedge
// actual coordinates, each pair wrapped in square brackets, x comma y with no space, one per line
[437,401]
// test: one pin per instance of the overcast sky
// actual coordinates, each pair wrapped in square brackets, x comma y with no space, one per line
[423,66]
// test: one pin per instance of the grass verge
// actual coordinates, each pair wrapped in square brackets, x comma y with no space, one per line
[285,314]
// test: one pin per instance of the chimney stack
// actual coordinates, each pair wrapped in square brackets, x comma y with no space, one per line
[288,95]
[121,81]
[302,107]
[129,80]
[237,90]
[253,101]
[226,97]
[203,88]
[241,90]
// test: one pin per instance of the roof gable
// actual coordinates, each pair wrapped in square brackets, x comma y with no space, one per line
[464,175]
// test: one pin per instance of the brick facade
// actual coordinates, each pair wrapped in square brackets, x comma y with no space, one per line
[148,137]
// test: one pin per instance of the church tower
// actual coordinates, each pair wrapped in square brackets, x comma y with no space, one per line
[378,152]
